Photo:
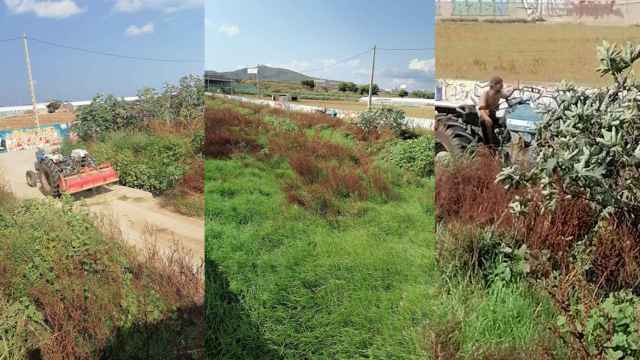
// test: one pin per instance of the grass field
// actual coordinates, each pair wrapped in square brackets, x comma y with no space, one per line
[287,282]
[525,52]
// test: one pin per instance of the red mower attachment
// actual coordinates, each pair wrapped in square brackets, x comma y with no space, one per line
[89,178]
[58,174]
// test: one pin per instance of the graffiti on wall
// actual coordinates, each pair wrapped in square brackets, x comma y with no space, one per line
[23,139]
[480,7]
[469,91]
[541,9]
[595,9]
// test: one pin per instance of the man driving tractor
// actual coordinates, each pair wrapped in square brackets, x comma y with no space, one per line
[488,106]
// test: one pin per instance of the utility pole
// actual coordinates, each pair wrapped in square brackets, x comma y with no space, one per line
[31,87]
[373,65]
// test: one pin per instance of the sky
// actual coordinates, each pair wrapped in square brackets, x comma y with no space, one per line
[313,37]
[161,29]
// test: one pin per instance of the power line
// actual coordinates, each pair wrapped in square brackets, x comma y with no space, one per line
[12,39]
[341,61]
[112,54]
[407,49]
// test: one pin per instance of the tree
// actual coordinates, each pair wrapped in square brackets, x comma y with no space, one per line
[422,94]
[589,143]
[402,93]
[310,84]
[364,89]
[347,86]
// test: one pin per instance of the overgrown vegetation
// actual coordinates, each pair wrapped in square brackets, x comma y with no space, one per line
[568,227]
[71,289]
[155,143]
[317,246]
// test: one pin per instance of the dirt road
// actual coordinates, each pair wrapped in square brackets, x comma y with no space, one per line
[136,211]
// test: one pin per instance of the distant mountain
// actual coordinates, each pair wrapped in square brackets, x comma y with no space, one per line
[266,73]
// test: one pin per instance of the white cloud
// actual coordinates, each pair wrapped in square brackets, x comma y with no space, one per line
[427,65]
[167,6]
[134,30]
[229,30]
[47,9]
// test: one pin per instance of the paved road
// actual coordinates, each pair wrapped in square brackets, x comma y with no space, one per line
[137,212]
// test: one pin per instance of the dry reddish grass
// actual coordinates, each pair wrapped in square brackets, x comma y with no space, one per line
[468,193]
[228,131]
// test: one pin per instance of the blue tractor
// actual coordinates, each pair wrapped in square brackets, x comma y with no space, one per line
[457,126]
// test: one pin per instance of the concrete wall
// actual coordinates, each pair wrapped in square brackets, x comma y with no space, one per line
[24,139]
[346,115]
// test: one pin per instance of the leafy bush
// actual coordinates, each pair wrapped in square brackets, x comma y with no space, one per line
[590,140]
[143,161]
[482,253]
[177,105]
[375,120]
[415,155]
[609,331]
[105,113]
[402,93]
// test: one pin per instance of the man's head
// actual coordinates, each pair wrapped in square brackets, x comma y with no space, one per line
[495,83]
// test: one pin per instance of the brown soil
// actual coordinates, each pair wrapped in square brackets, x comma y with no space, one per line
[26,121]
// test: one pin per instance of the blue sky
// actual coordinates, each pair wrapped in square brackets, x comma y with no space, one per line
[311,36]
[166,29]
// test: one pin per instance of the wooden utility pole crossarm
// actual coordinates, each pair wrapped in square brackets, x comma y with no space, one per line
[31,87]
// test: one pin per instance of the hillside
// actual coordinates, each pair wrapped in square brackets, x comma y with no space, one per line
[266,73]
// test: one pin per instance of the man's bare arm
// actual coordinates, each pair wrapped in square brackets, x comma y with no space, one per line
[508,92]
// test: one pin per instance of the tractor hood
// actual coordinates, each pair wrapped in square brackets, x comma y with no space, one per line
[524,118]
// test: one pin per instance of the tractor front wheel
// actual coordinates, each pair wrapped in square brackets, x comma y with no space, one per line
[46,185]
[32,178]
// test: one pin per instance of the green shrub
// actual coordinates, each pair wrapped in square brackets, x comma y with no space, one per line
[402,93]
[610,329]
[415,155]
[105,113]
[22,329]
[149,162]
[197,142]
[280,123]
[382,118]
[71,288]
[483,254]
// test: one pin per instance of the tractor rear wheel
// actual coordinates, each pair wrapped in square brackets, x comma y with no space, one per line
[32,178]
[451,136]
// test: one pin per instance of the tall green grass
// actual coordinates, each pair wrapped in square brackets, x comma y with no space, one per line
[354,288]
